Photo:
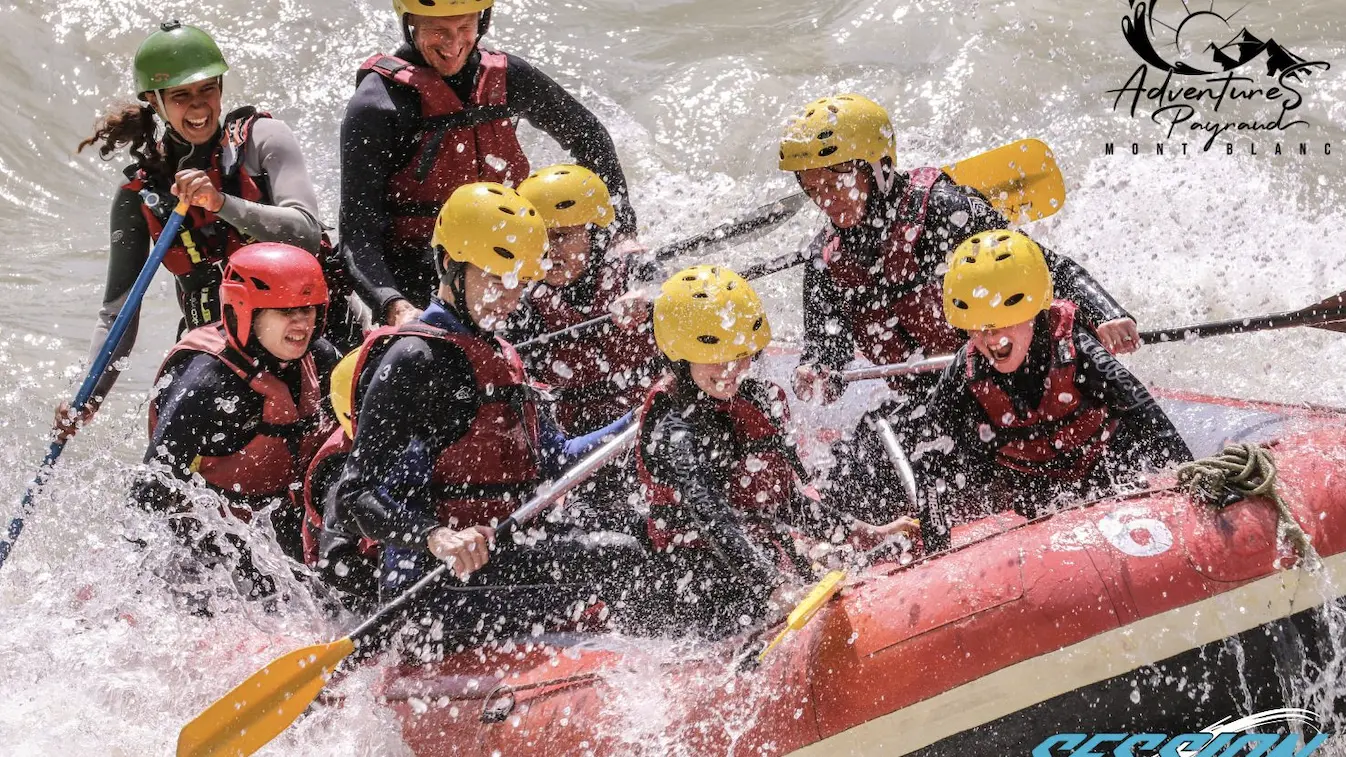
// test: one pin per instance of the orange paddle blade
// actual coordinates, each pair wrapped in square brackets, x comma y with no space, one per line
[1021,179]
[257,710]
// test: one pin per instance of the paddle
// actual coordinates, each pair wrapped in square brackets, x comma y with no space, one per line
[260,708]
[1329,314]
[1021,180]
[738,231]
[805,610]
[100,363]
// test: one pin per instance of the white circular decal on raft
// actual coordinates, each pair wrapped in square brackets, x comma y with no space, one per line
[1122,527]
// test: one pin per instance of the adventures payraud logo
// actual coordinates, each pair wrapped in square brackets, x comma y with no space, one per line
[1203,74]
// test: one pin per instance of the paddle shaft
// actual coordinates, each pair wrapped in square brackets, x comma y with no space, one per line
[547,495]
[100,364]
[1311,316]
[737,231]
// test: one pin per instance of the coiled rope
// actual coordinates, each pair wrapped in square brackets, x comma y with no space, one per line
[1245,470]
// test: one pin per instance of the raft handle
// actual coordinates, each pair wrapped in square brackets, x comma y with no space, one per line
[499,705]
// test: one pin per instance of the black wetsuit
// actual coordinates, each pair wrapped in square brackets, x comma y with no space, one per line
[953,214]
[207,410]
[861,476]
[688,444]
[954,448]
[380,135]
[415,403]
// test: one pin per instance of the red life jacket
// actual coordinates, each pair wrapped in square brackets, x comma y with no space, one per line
[205,241]
[274,460]
[336,444]
[486,474]
[761,477]
[599,377]
[1068,432]
[905,313]
[458,143]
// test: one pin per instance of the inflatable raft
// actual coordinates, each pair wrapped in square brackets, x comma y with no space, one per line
[1148,613]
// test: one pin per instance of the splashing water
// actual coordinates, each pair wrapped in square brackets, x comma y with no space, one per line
[102,658]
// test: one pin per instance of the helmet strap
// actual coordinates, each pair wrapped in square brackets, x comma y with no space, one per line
[884,174]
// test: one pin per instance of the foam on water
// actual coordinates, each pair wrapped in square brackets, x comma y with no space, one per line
[98,659]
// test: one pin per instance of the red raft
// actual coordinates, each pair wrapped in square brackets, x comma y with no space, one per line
[1148,613]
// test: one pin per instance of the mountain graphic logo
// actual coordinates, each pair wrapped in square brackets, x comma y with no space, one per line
[1201,41]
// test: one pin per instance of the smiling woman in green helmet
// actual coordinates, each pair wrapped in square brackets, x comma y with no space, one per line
[243,175]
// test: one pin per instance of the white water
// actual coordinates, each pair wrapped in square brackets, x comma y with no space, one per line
[694,93]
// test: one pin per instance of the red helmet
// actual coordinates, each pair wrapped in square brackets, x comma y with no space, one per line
[269,275]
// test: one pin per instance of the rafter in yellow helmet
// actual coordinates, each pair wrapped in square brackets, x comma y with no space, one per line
[568,195]
[441,7]
[996,279]
[494,228]
[709,314]
[835,130]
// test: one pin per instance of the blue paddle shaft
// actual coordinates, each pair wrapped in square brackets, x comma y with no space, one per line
[96,370]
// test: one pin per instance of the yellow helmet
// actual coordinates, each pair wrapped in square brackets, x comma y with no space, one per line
[996,279]
[709,314]
[835,130]
[568,195]
[342,389]
[494,228]
[441,7]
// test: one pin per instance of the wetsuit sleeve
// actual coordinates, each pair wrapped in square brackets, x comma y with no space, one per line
[369,150]
[828,311]
[952,462]
[683,456]
[549,107]
[971,213]
[1145,438]
[293,216]
[188,417]
[129,248]
[411,406]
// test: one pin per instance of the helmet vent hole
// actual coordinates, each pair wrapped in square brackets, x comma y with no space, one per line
[1002,238]
[1003,256]
[729,285]
[689,278]
[960,304]
[1014,299]
[701,296]
[708,339]
[262,286]
[969,259]
[495,191]
[428,3]
[823,153]
[563,204]
[562,172]
[826,134]
[509,211]
[504,253]
[757,324]
[810,113]
[235,275]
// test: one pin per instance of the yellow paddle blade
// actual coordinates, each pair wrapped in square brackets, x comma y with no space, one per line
[806,609]
[1020,179]
[258,709]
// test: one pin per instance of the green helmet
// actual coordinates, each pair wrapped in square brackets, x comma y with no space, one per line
[177,55]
